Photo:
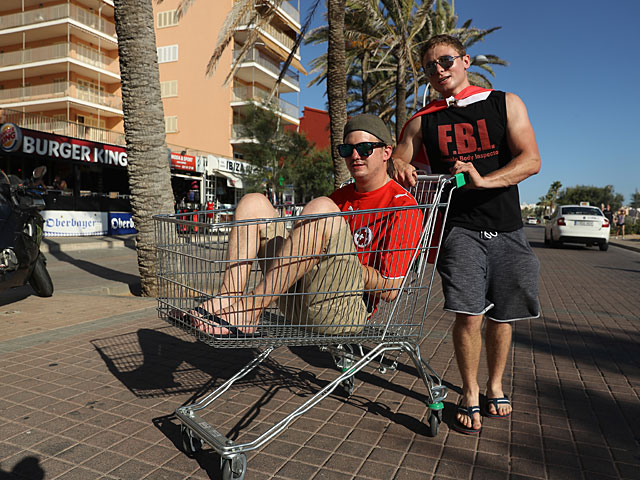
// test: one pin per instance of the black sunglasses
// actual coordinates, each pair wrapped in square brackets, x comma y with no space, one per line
[446,62]
[364,149]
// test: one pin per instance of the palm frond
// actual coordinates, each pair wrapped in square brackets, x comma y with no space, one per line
[295,48]
[239,13]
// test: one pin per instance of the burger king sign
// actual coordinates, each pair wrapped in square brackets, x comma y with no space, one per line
[10,137]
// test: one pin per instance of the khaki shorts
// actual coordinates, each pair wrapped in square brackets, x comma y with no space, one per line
[328,299]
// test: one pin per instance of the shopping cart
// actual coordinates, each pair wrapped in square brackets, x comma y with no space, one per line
[191,274]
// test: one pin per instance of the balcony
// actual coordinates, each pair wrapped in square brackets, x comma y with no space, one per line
[273,32]
[58,12]
[60,91]
[62,127]
[273,68]
[81,53]
[240,134]
[242,93]
[291,11]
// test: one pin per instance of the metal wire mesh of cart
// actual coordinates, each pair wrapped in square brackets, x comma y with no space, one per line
[299,280]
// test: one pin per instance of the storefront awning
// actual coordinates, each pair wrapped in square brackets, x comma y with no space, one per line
[232,180]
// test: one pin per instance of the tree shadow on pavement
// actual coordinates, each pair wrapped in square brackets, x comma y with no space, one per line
[133,281]
[592,392]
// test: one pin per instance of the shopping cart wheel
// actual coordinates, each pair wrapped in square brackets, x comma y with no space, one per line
[349,386]
[234,468]
[435,418]
[190,443]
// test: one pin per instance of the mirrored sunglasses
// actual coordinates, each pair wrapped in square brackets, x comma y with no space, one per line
[446,62]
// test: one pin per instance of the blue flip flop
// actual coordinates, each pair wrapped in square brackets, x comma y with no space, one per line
[469,412]
[495,402]
[234,332]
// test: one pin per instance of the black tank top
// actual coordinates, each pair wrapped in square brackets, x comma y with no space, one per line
[474,133]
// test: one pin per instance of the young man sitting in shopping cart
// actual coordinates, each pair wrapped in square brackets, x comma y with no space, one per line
[318,271]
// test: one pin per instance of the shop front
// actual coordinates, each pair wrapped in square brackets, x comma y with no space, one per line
[86,187]
[225,185]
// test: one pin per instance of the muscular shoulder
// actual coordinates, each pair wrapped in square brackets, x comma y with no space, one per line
[514,103]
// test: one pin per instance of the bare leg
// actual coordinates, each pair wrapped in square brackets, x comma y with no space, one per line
[498,343]
[467,342]
[244,242]
[297,255]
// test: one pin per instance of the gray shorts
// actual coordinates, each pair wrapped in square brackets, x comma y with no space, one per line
[489,273]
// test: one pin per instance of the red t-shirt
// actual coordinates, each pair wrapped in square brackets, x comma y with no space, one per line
[385,241]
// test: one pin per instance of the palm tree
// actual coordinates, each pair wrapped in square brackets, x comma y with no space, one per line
[149,176]
[380,36]
[384,39]
[337,85]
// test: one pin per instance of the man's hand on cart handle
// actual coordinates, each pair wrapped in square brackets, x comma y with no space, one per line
[405,173]
[472,179]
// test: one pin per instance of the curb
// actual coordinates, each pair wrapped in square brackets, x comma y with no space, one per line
[625,246]
[49,245]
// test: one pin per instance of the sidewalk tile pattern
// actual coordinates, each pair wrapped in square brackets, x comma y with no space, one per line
[96,400]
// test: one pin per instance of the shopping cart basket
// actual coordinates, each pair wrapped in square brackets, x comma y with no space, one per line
[195,270]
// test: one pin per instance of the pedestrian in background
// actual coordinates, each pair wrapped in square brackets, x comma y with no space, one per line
[620,223]
[608,214]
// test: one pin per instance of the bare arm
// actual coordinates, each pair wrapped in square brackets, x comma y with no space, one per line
[523,146]
[403,154]
[387,289]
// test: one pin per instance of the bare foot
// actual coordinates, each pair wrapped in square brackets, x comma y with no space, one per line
[470,423]
[235,320]
[220,302]
[497,399]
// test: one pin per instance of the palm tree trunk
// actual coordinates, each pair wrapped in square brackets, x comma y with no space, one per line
[401,94]
[365,81]
[149,175]
[337,85]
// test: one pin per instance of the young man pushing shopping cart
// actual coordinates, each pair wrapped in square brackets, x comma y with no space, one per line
[318,270]
[486,264]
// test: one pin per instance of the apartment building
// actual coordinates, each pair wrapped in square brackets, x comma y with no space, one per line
[203,113]
[60,85]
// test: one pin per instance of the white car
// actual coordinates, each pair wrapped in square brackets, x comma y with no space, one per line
[531,220]
[577,224]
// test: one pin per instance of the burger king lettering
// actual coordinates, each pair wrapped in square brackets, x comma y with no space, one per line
[71,150]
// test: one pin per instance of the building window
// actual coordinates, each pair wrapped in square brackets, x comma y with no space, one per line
[168,18]
[168,54]
[171,124]
[169,89]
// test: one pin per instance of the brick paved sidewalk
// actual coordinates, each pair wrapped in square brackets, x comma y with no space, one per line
[95,399]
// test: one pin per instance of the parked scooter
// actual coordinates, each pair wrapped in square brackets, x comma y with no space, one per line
[21,233]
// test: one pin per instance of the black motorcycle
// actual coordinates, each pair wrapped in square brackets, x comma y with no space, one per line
[21,233]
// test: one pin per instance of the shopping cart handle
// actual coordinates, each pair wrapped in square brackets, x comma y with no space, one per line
[460,179]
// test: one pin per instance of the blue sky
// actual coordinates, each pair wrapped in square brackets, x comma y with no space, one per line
[574,64]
